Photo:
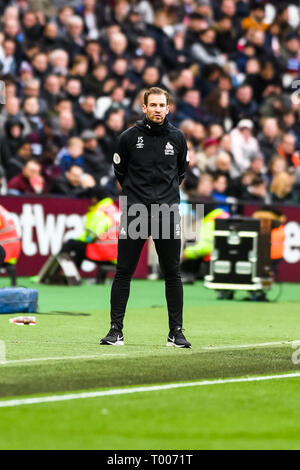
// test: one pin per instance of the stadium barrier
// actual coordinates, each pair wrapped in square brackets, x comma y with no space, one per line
[46,222]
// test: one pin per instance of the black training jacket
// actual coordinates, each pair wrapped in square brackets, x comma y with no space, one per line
[150,163]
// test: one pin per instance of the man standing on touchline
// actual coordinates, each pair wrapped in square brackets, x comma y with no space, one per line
[150,163]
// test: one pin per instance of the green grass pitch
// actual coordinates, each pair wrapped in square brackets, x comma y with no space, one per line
[61,354]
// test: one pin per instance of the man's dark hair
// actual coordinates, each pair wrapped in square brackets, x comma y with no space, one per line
[155,91]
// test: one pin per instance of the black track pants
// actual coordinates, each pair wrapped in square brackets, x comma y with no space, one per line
[168,251]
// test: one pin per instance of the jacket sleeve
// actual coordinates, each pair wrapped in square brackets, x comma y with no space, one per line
[120,159]
[183,160]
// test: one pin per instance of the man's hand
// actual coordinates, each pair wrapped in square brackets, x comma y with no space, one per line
[87,181]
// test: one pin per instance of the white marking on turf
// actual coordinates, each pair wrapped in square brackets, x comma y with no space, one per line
[59,358]
[2,352]
[245,346]
[152,388]
[74,358]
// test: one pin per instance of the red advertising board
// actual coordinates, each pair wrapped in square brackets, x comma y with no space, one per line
[44,224]
[289,270]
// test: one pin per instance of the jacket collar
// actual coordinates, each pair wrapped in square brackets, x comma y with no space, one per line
[153,128]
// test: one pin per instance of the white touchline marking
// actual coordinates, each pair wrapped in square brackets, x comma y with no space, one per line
[2,352]
[151,388]
[74,358]
[245,346]
[59,358]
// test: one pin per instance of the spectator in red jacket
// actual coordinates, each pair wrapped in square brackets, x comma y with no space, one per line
[29,181]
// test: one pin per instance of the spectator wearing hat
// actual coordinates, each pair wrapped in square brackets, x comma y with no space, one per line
[206,160]
[93,158]
[243,145]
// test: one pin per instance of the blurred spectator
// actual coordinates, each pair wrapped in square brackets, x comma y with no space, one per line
[269,138]
[256,191]
[10,144]
[84,66]
[219,193]
[73,183]
[85,116]
[190,107]
[256,18]
[243,145]
[16,161]
[206,160]
[205,188]
[257,165]
[11,111]
[243,106]
[286,150]
[73,39]
[72,155]
[282,189]
[276,165]
[28,181]
[93,158]
[205,51]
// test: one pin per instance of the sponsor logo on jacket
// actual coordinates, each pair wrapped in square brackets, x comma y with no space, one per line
[169,149]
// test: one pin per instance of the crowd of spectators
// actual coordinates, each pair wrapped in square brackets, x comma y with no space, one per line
[75,75]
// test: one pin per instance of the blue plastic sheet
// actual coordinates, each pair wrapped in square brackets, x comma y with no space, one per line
[18,300]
